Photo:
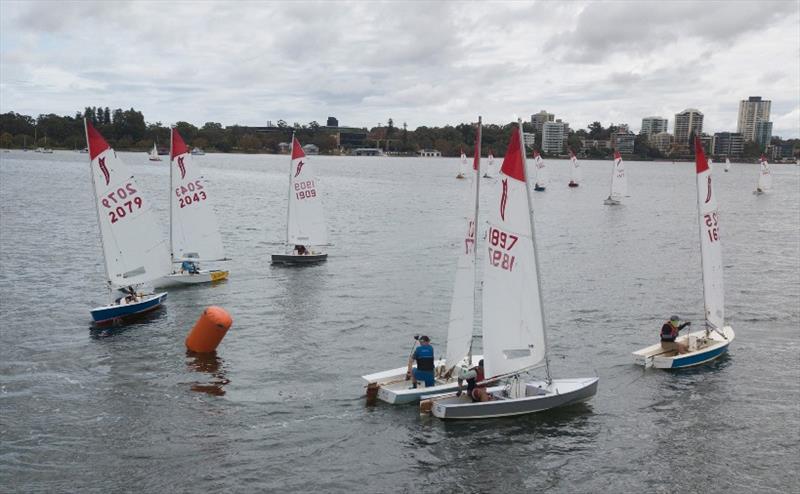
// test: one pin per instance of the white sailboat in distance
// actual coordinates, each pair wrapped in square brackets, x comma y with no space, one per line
[134,251]
[153,156]
[764,177]
[305,220]
[513,322]
[462,167]
[727,164]
[540,183]
[193,231]
[491,172]
[713,341]
[574,170]
[392,384]
[619,182]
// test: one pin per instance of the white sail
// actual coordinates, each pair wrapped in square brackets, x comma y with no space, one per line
[541,170]
[727,164]
[765,175]
[462,307]
[134,249]
[462,167]
[513,323]
[490,167]
[154,154]
[575,168]
[306,220]
[194,232]
[619,181]
[710,243]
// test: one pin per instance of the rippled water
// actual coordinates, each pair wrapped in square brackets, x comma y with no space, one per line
[281,407]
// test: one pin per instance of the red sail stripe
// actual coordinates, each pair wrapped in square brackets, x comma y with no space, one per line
[95,141]
[617,156]
[179,147]
[700,156]
[512,162]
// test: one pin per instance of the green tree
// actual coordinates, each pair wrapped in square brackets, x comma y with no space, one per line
[6,140]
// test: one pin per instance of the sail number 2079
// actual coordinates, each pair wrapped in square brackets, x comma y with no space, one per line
[500,244]
[711,226]
[121,202]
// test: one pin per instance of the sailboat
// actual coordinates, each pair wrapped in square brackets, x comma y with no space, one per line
[713,341]
[575,170]
[305,222]
[46,149]
[463,166]
[764,177]
[727,164]
[134,252]
[619,182]
[153,156]
[193,232]
[392,385]
[541,174]
[490,171]
[513,323]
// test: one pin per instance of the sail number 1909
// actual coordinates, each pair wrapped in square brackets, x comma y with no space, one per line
[500,244]
[305,189]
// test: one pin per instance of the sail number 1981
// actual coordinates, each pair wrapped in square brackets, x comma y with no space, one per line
[711,226]
[500,244]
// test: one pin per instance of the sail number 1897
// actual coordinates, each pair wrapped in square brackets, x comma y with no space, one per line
[500,245]
[711,226]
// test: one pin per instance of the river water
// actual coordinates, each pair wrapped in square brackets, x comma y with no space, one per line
[281,406]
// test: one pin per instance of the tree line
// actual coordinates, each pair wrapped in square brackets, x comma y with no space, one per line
[127,130]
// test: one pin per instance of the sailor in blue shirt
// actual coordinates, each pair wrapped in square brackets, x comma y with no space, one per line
[423,354]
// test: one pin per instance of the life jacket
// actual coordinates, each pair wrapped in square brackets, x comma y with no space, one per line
[668,332]
[424,357]
[472,382]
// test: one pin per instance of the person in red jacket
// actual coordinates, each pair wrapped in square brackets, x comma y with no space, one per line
[669,333]
[476,388]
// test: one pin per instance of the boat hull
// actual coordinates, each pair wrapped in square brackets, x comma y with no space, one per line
[298,260]
[612,202]
[539,188]
[184,278]
[536,396]
[117,312]
[572,184]
[707,348]
[460,175]
[394,389]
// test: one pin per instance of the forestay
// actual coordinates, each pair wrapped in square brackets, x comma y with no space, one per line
[710,245]
[194,232]
[513,326]
[765,175]
[619,181]
[306,221]
[134,248]
[462,307]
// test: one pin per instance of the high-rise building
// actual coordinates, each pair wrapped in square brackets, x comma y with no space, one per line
[538,120]
[653,125]
[662,141]
[687,123]
[529,138]
[751,111]
[763,133]
[332,122]
[622,140]
[728,144]
[553,134]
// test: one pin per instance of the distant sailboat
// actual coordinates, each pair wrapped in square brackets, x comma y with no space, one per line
[193,232]
[305,221]
[153,156]
[134,251]
[619,182]
[514,329]
[540,181]
[575,170]
[727,164]
[491,172]
[713,341]
[764,177]
[462,169]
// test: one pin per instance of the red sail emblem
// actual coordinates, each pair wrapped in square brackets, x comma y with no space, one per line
[708,197]
[504,199]
[299,167]
[181,166]
[102,163]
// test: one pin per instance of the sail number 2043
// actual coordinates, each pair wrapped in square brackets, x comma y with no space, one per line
[711,226]
[121,202]
[190,193]
[500,245]
[305,189]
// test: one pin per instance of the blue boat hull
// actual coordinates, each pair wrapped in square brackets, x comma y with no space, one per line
[111,313]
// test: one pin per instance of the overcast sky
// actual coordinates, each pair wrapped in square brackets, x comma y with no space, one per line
[424,63]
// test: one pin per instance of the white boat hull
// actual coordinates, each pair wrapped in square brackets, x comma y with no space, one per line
[394,389]
[184,278]
[524,398]
[702,349]
[612,202]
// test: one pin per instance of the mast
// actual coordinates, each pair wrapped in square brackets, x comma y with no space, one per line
[289,190]
[97,210]
[475,229]
[171,186]
[535,252]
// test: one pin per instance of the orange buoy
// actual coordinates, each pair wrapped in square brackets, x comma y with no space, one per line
[209,330]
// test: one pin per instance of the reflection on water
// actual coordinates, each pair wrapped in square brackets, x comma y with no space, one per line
[211,364]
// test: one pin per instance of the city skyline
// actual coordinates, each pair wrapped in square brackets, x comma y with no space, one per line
[426,64]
